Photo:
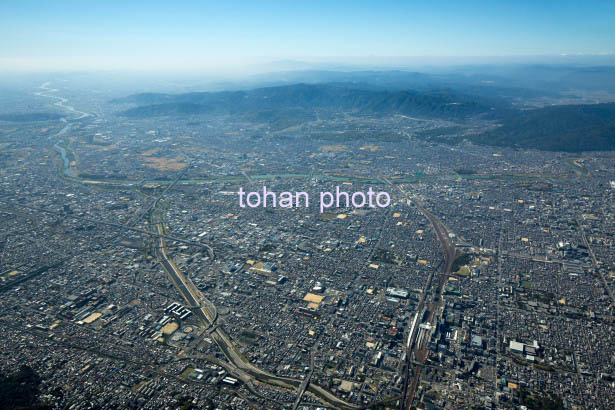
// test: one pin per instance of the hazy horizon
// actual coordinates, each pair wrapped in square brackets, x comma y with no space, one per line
[239,38]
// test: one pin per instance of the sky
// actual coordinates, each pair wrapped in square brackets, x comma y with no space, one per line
[227,34]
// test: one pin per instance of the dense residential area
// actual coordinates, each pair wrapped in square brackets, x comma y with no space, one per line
[131,277]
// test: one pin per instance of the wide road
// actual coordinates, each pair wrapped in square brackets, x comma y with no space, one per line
[306,381]
[419,350]
[189,292]
[595,262]
[206,312]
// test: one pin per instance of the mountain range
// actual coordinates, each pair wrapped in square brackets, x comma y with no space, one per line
[575,127]
[307,97]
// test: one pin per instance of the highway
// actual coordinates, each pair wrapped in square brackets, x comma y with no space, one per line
[207,314]
[153,204]
[306,381]
[189,292]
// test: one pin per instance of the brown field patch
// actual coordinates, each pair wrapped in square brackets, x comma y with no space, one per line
[371,148]
[150,152]
[312,298]
[165,164]
[332,148]
[169,328]
[100,147]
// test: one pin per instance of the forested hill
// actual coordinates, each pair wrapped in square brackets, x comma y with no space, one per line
[569,128]
[303,97]
[556,128]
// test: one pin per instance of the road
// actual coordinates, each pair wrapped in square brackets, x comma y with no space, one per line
[306,381]
[189,292]
[27,276]
[10,210]
[418,340]
[595,263]
[206,312]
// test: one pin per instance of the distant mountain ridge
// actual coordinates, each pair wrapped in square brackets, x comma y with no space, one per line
[306,97]
[580,127]
[572,128]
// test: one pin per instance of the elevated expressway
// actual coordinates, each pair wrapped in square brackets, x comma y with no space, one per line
[207,313]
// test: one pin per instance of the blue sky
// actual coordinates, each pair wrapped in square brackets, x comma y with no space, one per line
[139,34]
